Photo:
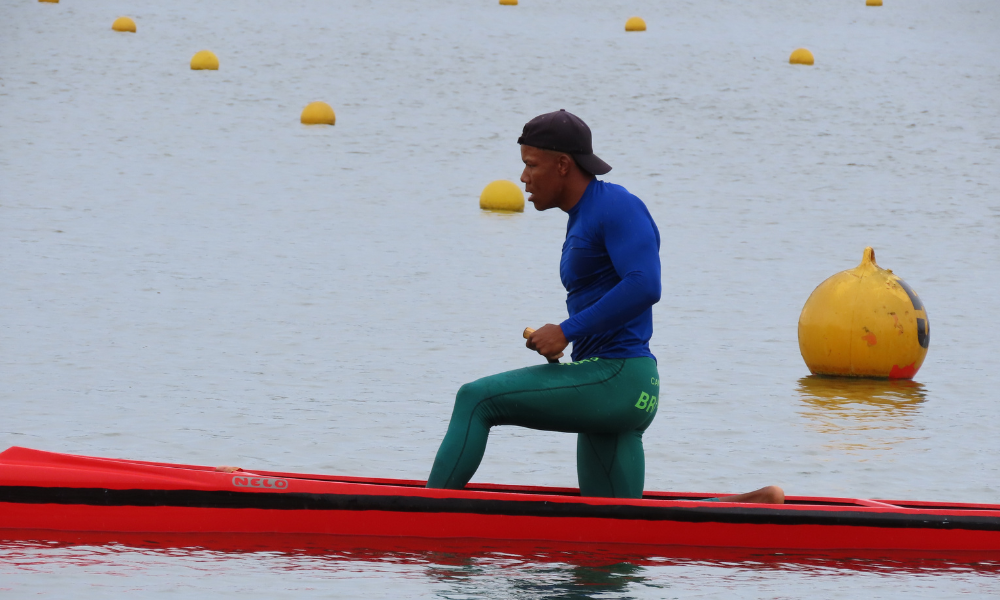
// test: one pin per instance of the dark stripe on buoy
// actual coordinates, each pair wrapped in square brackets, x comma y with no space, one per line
[917,304]
[923,333]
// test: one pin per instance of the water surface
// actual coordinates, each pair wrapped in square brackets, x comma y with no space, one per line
[193,276]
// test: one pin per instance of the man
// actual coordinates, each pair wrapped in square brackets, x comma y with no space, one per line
[610,268]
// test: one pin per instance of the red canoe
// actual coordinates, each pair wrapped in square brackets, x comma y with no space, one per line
[67,493]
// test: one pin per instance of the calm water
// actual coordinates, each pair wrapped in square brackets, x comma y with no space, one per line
[190,275]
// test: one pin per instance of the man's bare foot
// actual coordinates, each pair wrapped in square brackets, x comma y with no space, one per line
[771,494]
[225,469]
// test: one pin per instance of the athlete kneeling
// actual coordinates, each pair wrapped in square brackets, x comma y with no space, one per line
[610,268]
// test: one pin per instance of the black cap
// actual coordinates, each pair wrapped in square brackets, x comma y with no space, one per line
[564,132]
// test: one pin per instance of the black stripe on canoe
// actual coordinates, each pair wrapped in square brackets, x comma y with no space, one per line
[527,508]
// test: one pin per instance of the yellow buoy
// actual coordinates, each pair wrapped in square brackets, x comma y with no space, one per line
[801,57]
[318,113]
[204,60]
[50,1]
[123,24]
[635,24]
[864,322]
[873,2]
[508,2]
[502,195]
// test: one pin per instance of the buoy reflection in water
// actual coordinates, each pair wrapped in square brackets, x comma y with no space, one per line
[862,414]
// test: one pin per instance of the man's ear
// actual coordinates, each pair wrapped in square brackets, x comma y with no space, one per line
[565,164]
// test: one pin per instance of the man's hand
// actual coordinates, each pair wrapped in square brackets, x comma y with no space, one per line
[548,341]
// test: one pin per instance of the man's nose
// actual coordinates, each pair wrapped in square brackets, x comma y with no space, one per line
[524,176]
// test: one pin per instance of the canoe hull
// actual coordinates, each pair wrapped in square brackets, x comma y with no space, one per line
[169,519]
[45,491]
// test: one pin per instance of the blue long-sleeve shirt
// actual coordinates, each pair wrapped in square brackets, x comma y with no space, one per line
[610,268]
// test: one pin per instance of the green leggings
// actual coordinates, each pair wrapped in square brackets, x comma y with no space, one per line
[608,402]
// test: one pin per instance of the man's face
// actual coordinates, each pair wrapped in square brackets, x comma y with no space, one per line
[541,177]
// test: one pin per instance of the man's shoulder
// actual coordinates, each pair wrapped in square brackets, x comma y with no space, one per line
[608,189]
[614,199]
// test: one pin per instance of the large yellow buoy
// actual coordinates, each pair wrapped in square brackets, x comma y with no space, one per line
[635,24]
[502,195]
[204,60]
[801,56]
[508,2]
[864,322]
[123,24]
[873,2]
[318,113]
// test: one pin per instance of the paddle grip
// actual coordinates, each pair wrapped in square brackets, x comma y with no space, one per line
[527,333]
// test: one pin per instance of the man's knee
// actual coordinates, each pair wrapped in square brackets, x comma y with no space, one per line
[471,394]
[773,495]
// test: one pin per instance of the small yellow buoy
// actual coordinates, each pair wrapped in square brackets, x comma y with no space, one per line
[123,24]
[50,1]
[318,113]
[635,24]
[864,322]
[204,61]
[508,2]
[502,195]
[873,2]
[801,57]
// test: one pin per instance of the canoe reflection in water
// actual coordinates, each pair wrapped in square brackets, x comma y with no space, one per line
[860,413]
[462,568]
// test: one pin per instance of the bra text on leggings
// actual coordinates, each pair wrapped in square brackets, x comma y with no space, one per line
[646,402]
